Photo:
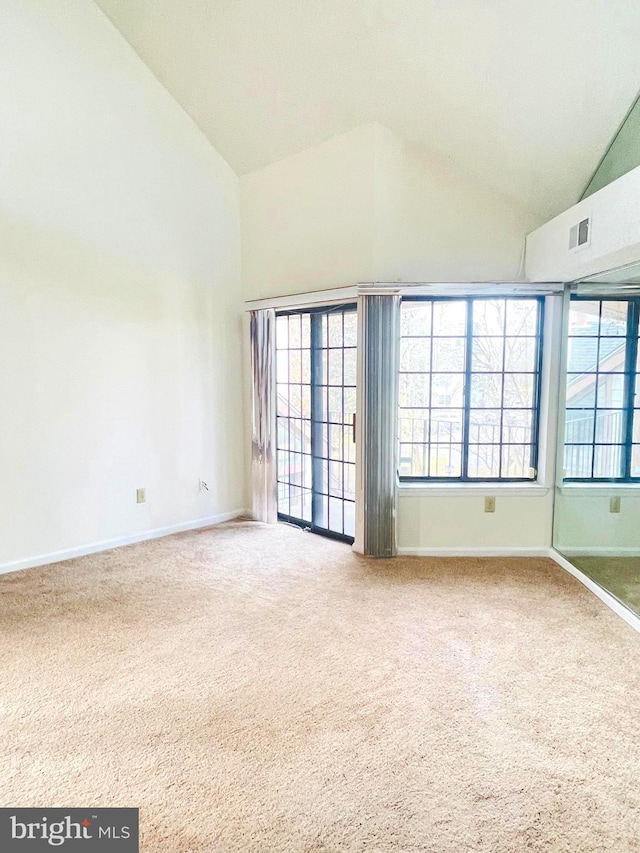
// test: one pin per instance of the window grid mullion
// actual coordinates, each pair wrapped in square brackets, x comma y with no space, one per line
[316,391]
[535,431]
[428,447]
[630,383]
[467,390]
[502,375]
[595,402]
[342,453]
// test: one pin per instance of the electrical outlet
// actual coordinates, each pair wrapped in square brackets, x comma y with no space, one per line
[490,504]
[141,496]
[614,504]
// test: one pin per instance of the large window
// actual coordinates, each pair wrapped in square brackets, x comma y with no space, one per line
[469,388]
[602,429]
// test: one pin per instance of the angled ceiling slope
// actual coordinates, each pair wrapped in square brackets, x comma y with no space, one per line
[524,97]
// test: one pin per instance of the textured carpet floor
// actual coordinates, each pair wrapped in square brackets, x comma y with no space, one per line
[258,688]
[618,575]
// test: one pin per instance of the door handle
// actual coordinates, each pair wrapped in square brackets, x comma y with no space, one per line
[353,428]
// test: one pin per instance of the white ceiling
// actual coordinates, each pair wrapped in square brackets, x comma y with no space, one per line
[524,95]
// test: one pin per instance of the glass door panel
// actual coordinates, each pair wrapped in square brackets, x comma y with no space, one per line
[293,416]
[316,388]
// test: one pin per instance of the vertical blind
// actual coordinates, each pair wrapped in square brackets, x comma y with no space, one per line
[380,397]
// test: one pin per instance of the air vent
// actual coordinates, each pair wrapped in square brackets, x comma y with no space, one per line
[580,234]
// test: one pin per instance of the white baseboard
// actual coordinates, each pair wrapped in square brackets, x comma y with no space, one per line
[474,551]
[602,552]
[107,544]
[610,600]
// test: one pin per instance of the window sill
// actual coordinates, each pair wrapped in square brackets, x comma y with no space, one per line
[587,490]
[417,490]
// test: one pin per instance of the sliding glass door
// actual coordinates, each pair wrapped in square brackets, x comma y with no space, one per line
[316,356]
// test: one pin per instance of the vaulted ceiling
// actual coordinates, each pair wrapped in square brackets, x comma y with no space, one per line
[522,95]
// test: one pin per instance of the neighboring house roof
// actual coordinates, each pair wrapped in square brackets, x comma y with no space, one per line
[584,357]
[583,360]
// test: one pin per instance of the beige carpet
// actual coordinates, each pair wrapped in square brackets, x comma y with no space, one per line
[618,575]
[261,689]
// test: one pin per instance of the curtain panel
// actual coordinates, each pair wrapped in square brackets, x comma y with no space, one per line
[263,456]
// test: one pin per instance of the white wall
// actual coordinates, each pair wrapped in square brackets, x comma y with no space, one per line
[584,525]
[120,344]
[439,524]
[365,206]
[308,222]
[434,225]
[615,235]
